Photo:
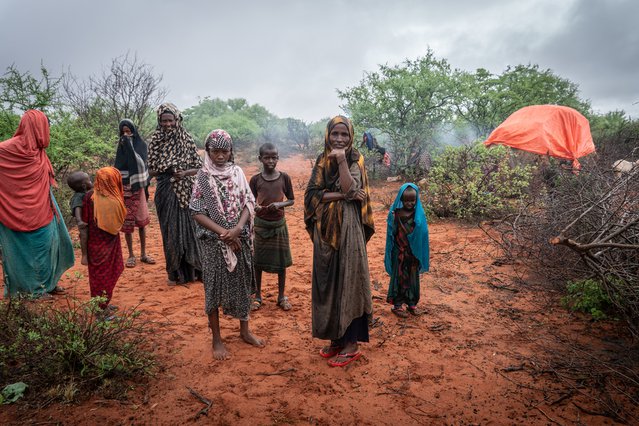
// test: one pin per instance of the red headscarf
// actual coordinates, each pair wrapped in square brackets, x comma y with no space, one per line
[26,175]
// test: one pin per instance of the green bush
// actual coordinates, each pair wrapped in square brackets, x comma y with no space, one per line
[473,181]
[587,296]
[76,147]
[66,352]
[8,124]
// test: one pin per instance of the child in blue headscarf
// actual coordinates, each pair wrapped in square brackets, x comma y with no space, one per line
[406,249]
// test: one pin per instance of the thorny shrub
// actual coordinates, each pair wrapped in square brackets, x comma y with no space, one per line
[61,353]
[474,181]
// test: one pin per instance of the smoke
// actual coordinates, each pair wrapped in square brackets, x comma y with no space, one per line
[454,134]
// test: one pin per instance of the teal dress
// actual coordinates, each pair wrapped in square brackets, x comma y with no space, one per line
[404,279]
[34,261]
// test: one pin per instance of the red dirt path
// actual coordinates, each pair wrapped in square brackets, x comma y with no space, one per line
[444,367]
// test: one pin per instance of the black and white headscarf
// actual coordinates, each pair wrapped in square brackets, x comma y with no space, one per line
[131,158]
[172,150]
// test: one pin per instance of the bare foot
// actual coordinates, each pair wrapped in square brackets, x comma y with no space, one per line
[219,351]
[349,348]
[252,339]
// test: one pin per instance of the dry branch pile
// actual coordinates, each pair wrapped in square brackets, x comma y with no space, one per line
[583,227]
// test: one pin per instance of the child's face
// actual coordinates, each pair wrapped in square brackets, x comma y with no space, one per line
[219,157]
[86,183]
[269,159]
[409,199]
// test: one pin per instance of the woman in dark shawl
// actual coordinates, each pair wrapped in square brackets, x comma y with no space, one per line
[174,161]
[339,219]
[131,159]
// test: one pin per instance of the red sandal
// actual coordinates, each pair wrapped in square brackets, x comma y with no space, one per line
[332,351]
[348,359]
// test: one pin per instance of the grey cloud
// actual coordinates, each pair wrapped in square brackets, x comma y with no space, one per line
[291,56]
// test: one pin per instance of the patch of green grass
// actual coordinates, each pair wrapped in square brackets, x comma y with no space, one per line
[587,296]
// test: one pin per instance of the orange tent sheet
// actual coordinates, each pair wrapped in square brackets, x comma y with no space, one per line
[553,130]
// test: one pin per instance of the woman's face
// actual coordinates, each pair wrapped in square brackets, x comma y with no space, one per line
[126,131]
[167,121]
[339,137]
[219,157]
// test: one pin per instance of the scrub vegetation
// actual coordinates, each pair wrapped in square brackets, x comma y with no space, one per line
[68,353]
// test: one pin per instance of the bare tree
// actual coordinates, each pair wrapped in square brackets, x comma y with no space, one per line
[128,88]
[78,95]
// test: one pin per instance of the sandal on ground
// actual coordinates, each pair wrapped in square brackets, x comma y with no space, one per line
[414,311]
[345,359]
[58,290]
[112,308]
[400,312]
[43,296]
[284,304]
[329,351]
[106,317]
[130,262]
[256,304]
[147,259]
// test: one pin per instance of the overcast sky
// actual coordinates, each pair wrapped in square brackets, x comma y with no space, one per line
[291,55]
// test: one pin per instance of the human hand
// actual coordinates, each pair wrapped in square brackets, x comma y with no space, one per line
[338,154]
[85,260]
[235,245]
[224,236]
[273,206]
[360,195]
[179,174]
[231,234]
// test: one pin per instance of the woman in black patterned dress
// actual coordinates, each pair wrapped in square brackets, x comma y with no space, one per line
[174,161]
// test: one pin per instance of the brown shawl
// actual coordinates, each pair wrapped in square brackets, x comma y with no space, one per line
[324,178]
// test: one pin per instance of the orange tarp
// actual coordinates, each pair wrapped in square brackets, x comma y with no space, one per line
[553,130]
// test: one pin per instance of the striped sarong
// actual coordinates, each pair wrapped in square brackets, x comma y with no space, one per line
[137,210]
[272,249]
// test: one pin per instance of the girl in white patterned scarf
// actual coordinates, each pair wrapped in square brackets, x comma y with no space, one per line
[223,206]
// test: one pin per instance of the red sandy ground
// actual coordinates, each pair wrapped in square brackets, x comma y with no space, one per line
[445,367]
